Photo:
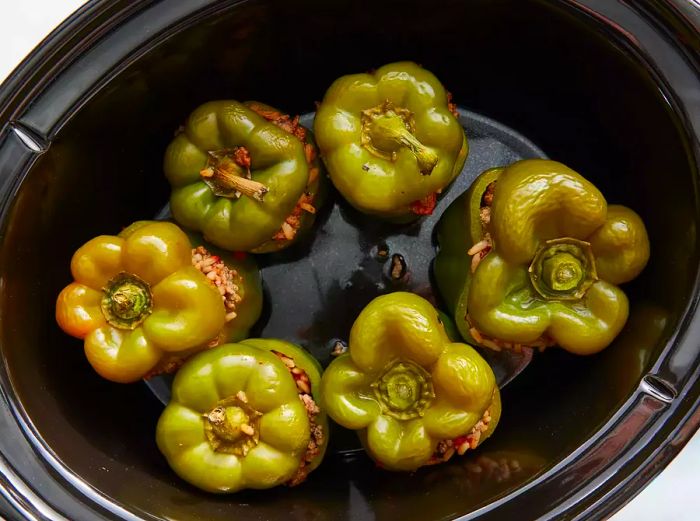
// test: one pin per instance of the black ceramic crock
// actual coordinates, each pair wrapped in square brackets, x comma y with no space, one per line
[610,87]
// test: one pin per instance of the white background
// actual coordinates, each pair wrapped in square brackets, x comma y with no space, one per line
[675,495]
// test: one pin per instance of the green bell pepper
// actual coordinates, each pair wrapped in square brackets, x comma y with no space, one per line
[245,175]
[242,416]
[547,254]
[414,396]
[138,302]
[390,140]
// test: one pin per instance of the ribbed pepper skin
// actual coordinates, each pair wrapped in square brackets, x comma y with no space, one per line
[200,386]
[404,385]
[184,314]
[249,386]
[278,161]
[374,169]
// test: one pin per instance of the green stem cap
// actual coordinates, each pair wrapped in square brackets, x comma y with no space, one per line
[226,178]
[404,390]
[563,269]
[126,301]
[232,427]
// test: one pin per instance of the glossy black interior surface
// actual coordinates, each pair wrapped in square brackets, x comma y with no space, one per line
[550,70]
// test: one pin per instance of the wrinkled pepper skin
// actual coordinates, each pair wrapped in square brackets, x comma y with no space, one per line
[219,394]
[233,220]
[389,139]
[137,301]
[405,386]
[526,289]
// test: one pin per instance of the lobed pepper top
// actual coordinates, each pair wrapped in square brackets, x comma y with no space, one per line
[137,301]
[404,386]
[236,176]
[550,257]
[390,140]
[238,420]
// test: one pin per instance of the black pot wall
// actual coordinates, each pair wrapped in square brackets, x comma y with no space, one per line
[605,87]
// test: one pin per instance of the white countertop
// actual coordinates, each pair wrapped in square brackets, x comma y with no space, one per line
[674,495]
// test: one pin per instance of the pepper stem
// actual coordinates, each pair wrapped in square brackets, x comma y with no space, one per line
[562,272]
[386,129]
[126,301]
[226,178]
[404,390]
[232,426]
[563,269]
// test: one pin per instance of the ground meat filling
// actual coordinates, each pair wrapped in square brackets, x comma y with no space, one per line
[226,280]
[283,121]
[292,223]
[168,365]
[447,448]
[424,206]
[242,157]
[317,438]
[477,253]
[452,107]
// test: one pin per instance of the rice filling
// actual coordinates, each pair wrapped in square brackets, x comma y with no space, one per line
[447,448]
[317,437]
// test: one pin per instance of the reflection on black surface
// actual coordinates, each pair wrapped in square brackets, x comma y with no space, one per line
[433,492]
